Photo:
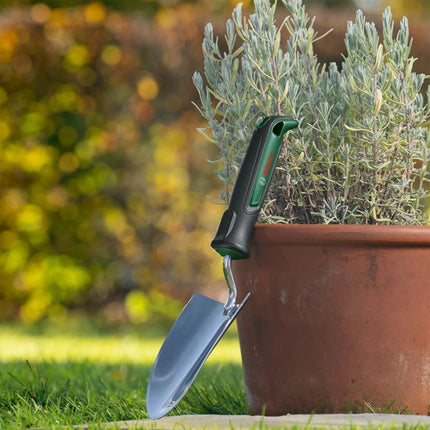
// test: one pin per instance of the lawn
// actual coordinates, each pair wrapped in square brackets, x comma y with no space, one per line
[81,373]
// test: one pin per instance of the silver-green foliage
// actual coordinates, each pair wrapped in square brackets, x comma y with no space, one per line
[359,154]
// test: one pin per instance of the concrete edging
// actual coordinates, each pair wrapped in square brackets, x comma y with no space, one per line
[248,422]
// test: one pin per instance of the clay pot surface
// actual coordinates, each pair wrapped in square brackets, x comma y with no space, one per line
[339,315]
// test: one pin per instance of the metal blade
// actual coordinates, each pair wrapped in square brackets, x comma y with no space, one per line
[194,335]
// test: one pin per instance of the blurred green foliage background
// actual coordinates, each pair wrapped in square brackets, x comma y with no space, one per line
[103,177]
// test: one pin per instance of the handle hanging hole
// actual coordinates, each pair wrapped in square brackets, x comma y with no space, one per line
[277,129]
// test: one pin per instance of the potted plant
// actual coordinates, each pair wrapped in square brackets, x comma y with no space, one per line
[339,266]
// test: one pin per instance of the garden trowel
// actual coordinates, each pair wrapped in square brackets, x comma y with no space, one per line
[203,321]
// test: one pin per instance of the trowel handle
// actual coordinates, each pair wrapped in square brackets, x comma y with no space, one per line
[237,223]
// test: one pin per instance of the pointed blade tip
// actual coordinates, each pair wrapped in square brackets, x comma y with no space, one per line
[155,413]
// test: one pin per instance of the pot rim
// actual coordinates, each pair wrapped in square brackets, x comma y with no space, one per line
[347,234]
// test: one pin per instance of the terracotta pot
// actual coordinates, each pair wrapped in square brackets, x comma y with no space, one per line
[338,316]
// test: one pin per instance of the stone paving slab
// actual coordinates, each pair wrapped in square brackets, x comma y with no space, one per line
[330,421]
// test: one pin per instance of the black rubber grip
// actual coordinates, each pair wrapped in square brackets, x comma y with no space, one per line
[253,180]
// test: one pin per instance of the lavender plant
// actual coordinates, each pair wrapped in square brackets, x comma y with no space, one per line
[360,153]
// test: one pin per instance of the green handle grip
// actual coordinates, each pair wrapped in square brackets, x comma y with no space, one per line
[255,174]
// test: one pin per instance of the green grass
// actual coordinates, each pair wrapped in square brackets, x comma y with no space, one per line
[82,372]
[56,375]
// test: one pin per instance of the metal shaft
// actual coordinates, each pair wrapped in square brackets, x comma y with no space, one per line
[230,304]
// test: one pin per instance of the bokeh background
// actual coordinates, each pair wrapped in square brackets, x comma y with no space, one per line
[105,183]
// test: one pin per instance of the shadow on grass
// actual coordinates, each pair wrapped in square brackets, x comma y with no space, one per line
[70,393]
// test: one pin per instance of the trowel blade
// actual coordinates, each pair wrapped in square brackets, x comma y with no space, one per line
[194,335]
